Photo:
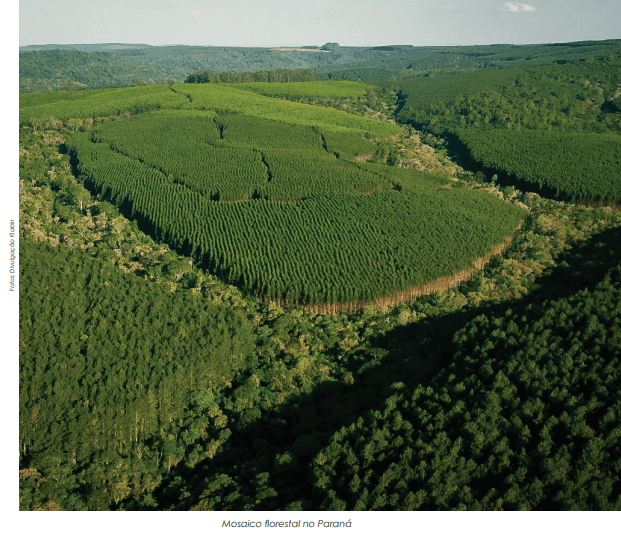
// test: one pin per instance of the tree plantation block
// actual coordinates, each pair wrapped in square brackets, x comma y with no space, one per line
[66,105]
[552,128]
[540,158]
[273,208]
[309,89]
[240,297]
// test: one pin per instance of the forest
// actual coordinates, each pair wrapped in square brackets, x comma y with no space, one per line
[76,67]
[560,115]
[269,192]
[401,293]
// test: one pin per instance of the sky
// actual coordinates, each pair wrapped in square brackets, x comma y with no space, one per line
[267,23]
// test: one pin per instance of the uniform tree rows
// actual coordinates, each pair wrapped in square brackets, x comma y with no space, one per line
[229,99]
[97,103]
[189,151]
[310,89]
[295,175]
[186,97]
[328,248]
[525,122]
[541,157]
[237,157]
[346,144]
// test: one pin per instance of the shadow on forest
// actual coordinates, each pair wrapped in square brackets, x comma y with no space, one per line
[414,354]
[408,356]
[458,152]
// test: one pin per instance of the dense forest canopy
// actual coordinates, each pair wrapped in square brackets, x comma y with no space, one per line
[530,125]
[119,363]
[152,377]
[53,67]
[265,193]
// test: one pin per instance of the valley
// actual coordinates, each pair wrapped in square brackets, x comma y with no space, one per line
[227,288]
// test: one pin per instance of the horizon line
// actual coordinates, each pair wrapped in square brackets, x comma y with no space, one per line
[313,45]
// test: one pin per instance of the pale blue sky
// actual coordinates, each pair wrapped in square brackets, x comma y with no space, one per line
[294,23]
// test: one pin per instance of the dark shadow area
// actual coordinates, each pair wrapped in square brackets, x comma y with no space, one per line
[397,361]
[458,152]
[610,106]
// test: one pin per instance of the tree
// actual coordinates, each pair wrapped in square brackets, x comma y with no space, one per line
[74,123]
[35,122]
[78,195]
[178,268]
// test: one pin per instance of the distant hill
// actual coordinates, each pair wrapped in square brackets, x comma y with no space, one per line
[52,66]
[99,47]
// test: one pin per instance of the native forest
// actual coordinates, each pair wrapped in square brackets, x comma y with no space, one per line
[320,278]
